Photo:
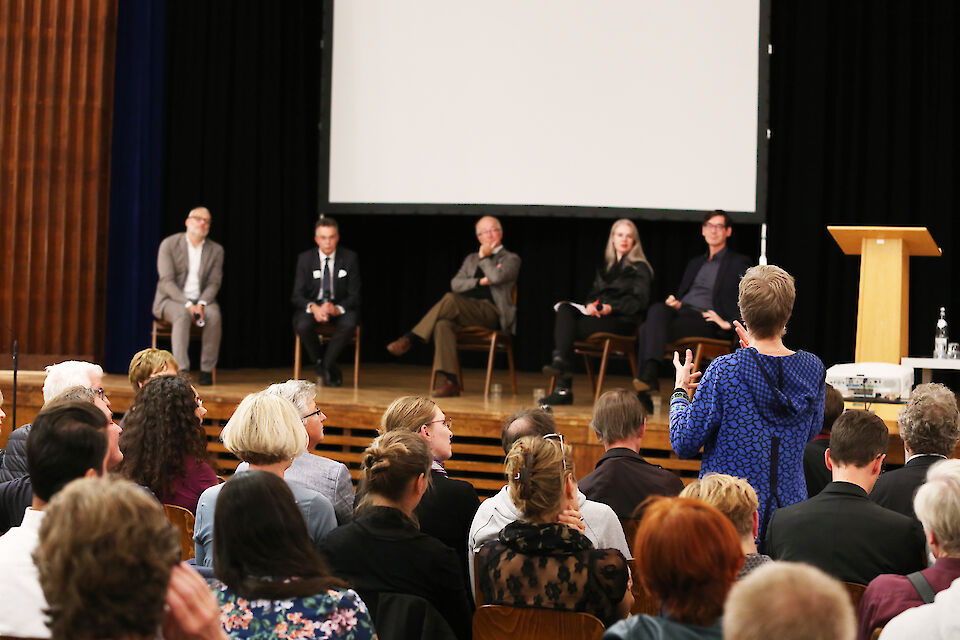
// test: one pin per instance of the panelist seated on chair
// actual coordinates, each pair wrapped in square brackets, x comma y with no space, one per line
[190,266]
[620,292]
[481,296]
[705,303]
[326,290]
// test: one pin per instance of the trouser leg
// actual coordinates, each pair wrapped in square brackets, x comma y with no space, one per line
[344,324]
[652,336]
[212,330]
[303,325]
[444,309]
[179,318]
[445,346]
[565,332]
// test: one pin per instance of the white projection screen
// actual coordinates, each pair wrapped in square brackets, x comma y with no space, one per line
[657,107]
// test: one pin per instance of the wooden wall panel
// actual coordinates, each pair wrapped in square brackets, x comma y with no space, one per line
[56,108]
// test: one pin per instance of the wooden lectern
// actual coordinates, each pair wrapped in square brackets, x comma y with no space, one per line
[883,311]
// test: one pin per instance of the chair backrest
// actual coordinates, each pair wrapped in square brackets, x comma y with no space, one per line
[876,633]
[183,520]
[403,616]
[856,593]
[495,622]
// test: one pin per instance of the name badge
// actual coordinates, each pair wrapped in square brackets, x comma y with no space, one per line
[316,274]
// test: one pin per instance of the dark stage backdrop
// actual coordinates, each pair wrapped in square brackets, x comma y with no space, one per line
[863,102]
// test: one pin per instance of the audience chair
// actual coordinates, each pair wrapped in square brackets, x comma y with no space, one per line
[404,616]
[876,633]
[325,332]
[702,348]
[496,622]
[603,346]
[183,520]
[856,593]
[162,329]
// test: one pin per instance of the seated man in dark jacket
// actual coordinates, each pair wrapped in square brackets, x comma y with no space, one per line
[815,470]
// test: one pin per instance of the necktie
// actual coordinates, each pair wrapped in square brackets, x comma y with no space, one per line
[326,282]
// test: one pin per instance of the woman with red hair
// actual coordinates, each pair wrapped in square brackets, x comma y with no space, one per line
[687,555]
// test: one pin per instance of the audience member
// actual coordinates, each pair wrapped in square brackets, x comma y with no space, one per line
[67,441]
[537,561]
[383,549]
[481,295]
[736,499]
[815,470]
[622,478]
[325,476]
[840,530]
[164,444]
[930,427]
[265,432]
[620,292]
[284,585]
[60,377]
[148,364]
[755,409]
[935,621]
[688,556]
[788,601]
[938,507]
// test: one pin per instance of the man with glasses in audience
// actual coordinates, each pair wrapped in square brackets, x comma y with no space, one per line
[481,295]
[191,269]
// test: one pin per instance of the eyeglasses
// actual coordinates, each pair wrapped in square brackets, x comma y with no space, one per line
[199,402]
[200,219]
[448,422]
[488,232]
[100,392]
[714,227]
[558,437]
[310,415]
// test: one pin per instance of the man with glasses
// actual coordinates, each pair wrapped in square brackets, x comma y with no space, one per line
[191,269]
[481,295]
[705,303]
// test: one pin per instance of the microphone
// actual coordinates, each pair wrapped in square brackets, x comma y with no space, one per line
[13,410]
[198,320]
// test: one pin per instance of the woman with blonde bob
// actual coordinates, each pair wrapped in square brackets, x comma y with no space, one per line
[755,409]
[267,433]
[541,562]
[620,292]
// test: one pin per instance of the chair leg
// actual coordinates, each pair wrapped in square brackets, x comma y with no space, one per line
[296,357]
[603,370]
[433,376]
[493,347]
[553,384]
[356,359]
[459,373]
[593,382]
[513,371]
[213,375]
[153,335]
[633,364]
[697,357]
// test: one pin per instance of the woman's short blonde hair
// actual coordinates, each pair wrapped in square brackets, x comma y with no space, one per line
[733,497]
[148,362]
[407,413]
[265,429]
[766,300]
[536,469]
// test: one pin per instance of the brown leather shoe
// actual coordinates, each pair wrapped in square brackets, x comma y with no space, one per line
[399,346]
[449,389]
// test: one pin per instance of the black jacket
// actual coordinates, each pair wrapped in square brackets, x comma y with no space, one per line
[815,470]
[622,479]
[625,287]
[446,512]
[346,279]
[726,290]
[895,489]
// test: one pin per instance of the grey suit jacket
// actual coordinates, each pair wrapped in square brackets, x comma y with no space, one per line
[503,269]
[173,263]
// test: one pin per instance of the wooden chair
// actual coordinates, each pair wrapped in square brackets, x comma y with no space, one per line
[643,602]
[876,633]
[856,593]
[495,622]
[703,348]
[603,346]
[183,520]
[163,329]
[325,332]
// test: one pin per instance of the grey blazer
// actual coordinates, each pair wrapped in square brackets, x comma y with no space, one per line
[173,264]
[503,269]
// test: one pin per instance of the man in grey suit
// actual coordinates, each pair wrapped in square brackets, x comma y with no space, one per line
[191,268]
[481,295]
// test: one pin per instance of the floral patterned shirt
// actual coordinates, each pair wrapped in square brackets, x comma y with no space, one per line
[334,615]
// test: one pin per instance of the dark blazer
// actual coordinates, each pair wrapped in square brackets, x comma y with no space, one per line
[846,535]
[625,287]
[895,489]
[14,463]
[622,479]
[446,512]
[815,470]
[726,290]
[346,279]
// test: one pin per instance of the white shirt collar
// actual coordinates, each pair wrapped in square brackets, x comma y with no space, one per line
[918,455]
[332,256]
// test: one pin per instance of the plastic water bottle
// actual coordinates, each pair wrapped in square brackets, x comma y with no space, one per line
[940,338]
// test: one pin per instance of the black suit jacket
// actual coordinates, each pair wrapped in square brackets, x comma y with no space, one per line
[446,512]
[895,489]
[726,290]
[622,479]
[815,470]
[346,279]
[846,535]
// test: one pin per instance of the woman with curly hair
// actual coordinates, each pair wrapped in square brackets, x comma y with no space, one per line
[164,447]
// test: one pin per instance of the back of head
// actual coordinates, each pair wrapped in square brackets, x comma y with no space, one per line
[407,413]
[526,422]
[298,392]
[766,300]
[930,423]
[937,505]
[70,373]
[274,543]
[391,462]
[733,497]
[789,601]
[536,469]
[65,441]
[687,554]
[104,560]
[832,407]
[148,362]
[265,429]
[617,415]
[857,438]
[74,394]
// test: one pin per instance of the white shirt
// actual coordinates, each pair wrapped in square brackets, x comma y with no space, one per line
[21,599]
[939,619]
[333,280]
[191,288]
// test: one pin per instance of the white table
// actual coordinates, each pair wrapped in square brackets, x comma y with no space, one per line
[927,365]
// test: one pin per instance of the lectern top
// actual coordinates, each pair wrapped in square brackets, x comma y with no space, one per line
[916,240]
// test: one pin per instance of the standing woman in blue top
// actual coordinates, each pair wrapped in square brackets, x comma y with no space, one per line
[755,409]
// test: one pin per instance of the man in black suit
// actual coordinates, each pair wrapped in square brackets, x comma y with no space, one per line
[840,530]
[930,428]
[326,290]
[705,303]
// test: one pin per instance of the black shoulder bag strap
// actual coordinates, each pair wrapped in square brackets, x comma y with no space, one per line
[922,585]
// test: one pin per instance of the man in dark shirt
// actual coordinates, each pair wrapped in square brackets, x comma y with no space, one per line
[622,479]
[815,470]
[705,303]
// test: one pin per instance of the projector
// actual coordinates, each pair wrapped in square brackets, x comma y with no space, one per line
[871,380]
